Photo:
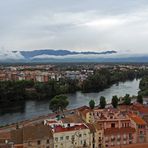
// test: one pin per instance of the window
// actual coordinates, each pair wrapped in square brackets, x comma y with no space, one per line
[84,143]
[111,117]
[112,125]
[29,143]
[127,124]
[141,132]
[130,142]
[73,137]
[47,146]
[61,138]
[84,134]
[38,142]
[67,137]
[130,135]
[56,139]
[47,141]
[122,124]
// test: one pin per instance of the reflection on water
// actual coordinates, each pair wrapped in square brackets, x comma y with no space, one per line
[129,87]
[12,108]
[31,109]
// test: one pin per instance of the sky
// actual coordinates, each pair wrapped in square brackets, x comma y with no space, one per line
[81,25]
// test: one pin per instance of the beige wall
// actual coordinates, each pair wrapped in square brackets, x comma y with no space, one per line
[72,139]
[43,143]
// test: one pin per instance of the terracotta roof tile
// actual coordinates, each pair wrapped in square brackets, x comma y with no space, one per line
[60,128]
[137,119]
[5,135]
[38,131]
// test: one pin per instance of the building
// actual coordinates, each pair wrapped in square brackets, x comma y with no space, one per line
[71,135]
[141,128]
[33,136]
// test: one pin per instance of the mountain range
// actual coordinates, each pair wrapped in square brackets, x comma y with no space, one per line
[50,55]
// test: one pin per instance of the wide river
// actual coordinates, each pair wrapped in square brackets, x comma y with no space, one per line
[36,108]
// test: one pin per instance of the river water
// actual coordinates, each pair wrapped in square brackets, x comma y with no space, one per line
[36,108]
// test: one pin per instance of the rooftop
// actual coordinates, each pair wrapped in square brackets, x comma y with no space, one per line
[137,119]
[68,127]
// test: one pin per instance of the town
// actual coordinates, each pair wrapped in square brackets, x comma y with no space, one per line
[87,126]
[44,72]
[123,122]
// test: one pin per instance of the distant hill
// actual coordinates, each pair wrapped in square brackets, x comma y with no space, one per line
[50,55]
[51,52]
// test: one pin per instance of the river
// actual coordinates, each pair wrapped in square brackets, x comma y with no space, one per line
[36,108]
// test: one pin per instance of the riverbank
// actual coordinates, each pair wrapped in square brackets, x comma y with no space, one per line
[32,109]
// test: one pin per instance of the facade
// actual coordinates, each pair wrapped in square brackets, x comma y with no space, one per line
[113,127]
[34,136]
[141,128]
[71,135]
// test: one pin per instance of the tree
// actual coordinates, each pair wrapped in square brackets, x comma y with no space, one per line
[102,102]
[140,99]
[127,99]
[92,104]
[58,103]
[115,101]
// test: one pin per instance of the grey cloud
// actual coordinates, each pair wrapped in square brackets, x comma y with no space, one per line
[74,24]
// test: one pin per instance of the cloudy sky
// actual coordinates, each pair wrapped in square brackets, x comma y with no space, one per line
[93,25]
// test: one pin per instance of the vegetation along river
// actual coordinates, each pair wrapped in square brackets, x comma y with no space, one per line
[31,109]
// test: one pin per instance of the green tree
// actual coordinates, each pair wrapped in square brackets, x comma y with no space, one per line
[140,99]
[115,101]
[102,102]
[58,103]
[92,104]
[127,99]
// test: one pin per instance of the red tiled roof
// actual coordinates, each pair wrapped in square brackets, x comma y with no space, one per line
[52,121]
[137,119]
[5,135]
[144,110]
[115,131]
[141,108]
[60,128]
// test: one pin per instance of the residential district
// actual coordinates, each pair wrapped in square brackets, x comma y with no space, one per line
[42,73]
[126,126]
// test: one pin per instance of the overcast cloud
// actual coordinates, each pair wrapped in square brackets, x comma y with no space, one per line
[120,25]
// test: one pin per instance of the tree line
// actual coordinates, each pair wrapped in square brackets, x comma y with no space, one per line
[60,102]
[104,78]
[144,86]
[17,91]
